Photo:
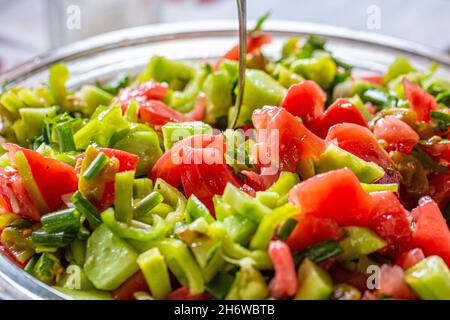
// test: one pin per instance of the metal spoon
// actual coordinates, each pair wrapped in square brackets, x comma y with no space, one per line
[242,16]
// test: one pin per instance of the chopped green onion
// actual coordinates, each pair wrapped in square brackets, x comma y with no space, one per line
[368,187]
[148,203]
[220,285]
[61,220]
[100,161]
[286,229]
[65,137]
[86,208]
[319,252]
[123,201]
[52,239]
[442,116]
[30,264]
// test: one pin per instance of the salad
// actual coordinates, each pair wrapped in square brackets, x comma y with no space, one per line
[330,186]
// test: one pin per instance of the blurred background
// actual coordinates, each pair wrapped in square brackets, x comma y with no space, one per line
[29,27]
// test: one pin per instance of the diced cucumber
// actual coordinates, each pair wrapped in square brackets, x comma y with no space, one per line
[359,242]
[314,282]
[33,119]
[109,259]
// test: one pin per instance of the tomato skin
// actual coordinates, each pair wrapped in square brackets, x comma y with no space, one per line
[285,282]
[158,113]
[341,111]
[419,100]
[150,90]
[376,79]
[362,143]
[389,219]
[396,133]
[126,290]
[392,283]
[295,141]
[409,258]
[254,43]
[11,258]
[430,230]
[305,100]
[440,189]
[259,181]
[182,293]
[311,230]
[336,195]
[53,178]
[440,152]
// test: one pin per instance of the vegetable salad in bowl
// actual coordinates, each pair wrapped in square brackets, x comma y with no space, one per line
[331,185]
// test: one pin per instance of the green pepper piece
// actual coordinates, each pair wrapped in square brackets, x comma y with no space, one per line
[260,90]
[399,67]
[59,74]
[185,100]
[314,283]
[196,209]
[135,230]
[239,228]
[109,259]
[93,97]
[176,131]
[269,223]
[174,198]
[359,104]
[142,187]
[358,242]
[319,69]
[249,284]
[285,182]
[161,69]
[33,119]
[286,77]
[220,285]
[335,158]
[155,271]
[123,201]
[430,279]
[182,264]
[218,92]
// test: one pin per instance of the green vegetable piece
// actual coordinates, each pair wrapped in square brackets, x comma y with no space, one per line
[29,267]
[75,278]
[268,198]
[286,229]
[52,239]
[430,279]
[399,67]
[182,264]
[66,219]
[218,92]
[175,199]
[283,185]
[335,158]
[142,187]
[269,223]
[239,228]
[33,119]
[11,101]
[123,201]
[109,259]
[59,74]
[48,268]
[65,137]
[244,204]
[185,100]
[155,271]
[196,209]
[97,165]
[319,252]
[358,103]
[358,242]
[314,283]
[249,284]
[85,294]
[260,90]
[148,203]
[176,131]
[93,97]
[286,77]
[132,112]
[321,70]
[220,285]
[135,230]
[78,251]
[86,208]
[161,69]
[380,187]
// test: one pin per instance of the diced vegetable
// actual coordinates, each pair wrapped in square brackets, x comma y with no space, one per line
[314,283]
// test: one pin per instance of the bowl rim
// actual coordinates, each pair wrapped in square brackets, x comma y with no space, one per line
[19,282]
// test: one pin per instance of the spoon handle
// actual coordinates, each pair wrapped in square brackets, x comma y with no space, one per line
[242,16]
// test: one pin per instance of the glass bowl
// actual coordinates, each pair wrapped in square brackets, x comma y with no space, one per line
[102,57]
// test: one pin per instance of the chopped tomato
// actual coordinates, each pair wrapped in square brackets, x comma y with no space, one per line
[280,136]
[158,113]
[11,258]
[5,206]
[376,79]
[440,189]
[419,100]
[409,258]
[393,284]
[430,231]
[285,282]
[363,144]
[336,195]
[53,178]
[16,196]
[439,151]
[389,220]
[305,100]
[259,181]
[150,90]
[311,230]
[341,111]
[396,133]
[183,293]
[133,284]
[254,43]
